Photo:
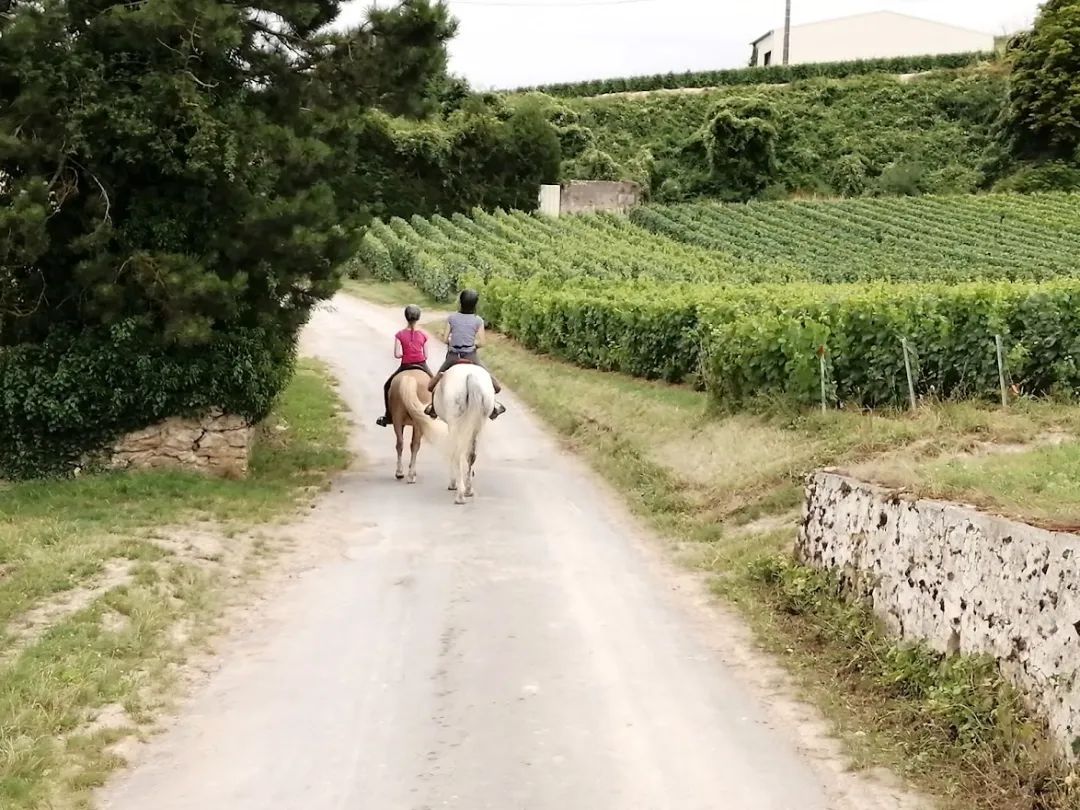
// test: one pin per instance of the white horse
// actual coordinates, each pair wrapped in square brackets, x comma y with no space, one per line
[464,399]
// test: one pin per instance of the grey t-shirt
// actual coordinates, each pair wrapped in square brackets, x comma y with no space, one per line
[463,329]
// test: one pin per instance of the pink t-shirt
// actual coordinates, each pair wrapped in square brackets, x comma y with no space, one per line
[412,346]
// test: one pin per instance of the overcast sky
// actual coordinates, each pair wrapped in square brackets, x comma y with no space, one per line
[508,43]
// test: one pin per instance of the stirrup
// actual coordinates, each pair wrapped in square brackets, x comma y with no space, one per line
[430,411]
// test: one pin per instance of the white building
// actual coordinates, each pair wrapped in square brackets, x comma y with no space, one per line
[875,35]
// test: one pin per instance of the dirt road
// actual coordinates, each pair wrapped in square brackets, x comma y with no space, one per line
[526,652]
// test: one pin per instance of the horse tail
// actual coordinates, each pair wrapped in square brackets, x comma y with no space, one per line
[431,429]
[468,425]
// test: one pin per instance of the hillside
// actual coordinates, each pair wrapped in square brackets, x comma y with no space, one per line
[853,136]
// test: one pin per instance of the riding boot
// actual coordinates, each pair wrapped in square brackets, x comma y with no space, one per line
[497,411]
[383,421]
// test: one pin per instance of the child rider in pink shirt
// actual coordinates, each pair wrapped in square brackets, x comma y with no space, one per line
[410,346]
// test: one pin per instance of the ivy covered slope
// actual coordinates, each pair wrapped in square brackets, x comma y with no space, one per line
[747,314]
[867,135]
[180,182]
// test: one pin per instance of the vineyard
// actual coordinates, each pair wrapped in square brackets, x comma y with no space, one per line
[898,239]
[775,300]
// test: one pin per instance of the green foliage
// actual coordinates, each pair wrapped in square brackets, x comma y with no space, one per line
[772,349]
[479,156]
[1043,114]
[746,309]
[740,141]
[823,136]
[925,239]
[1055,175]
[963,705]
[76,390]
[903,179]
[593,164]
[756,75]
[196,172]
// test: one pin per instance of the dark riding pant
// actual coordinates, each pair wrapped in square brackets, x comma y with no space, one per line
[455,357]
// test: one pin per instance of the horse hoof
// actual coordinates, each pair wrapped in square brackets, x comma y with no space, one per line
[452,488]
[470,494]
[411,480]
[459,501]
[399,476]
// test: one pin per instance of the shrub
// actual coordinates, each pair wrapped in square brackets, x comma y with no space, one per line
[78,390]
[1041,177]
[773,349]
[740,140]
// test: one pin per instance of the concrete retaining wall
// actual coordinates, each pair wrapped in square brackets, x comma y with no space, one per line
[960,580]
[589,196]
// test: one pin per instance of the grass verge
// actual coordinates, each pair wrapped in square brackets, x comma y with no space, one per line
[390,293]
[99,600]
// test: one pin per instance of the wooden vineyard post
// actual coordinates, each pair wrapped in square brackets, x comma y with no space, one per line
[910,377]
[1000,346]
[821,368]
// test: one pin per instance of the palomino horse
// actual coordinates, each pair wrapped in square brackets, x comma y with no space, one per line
[464,398]
[409,397]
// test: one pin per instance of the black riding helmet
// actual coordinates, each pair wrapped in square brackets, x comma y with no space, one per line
[468,301]
[412,313]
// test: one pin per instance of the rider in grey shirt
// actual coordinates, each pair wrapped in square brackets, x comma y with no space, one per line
[465,332]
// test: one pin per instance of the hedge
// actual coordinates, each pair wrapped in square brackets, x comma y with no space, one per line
[74,393]
[746,343]
[777,74]
[773,348]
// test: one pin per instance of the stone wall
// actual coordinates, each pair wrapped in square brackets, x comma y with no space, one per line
[218,444]
[960,580]
[589,196]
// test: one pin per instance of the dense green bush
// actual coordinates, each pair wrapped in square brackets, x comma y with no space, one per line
[772,350]
[740,141]
[777,74]
[644,330]
[479,156]
[831,137]
[1054,175]
[1043,114]
[77,390]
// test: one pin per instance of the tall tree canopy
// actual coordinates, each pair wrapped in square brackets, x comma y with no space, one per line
[168,159]
[1044,95]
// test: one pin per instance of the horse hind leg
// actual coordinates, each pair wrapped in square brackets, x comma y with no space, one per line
[463,485]
[470,473]
[399,434]
[415,451]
